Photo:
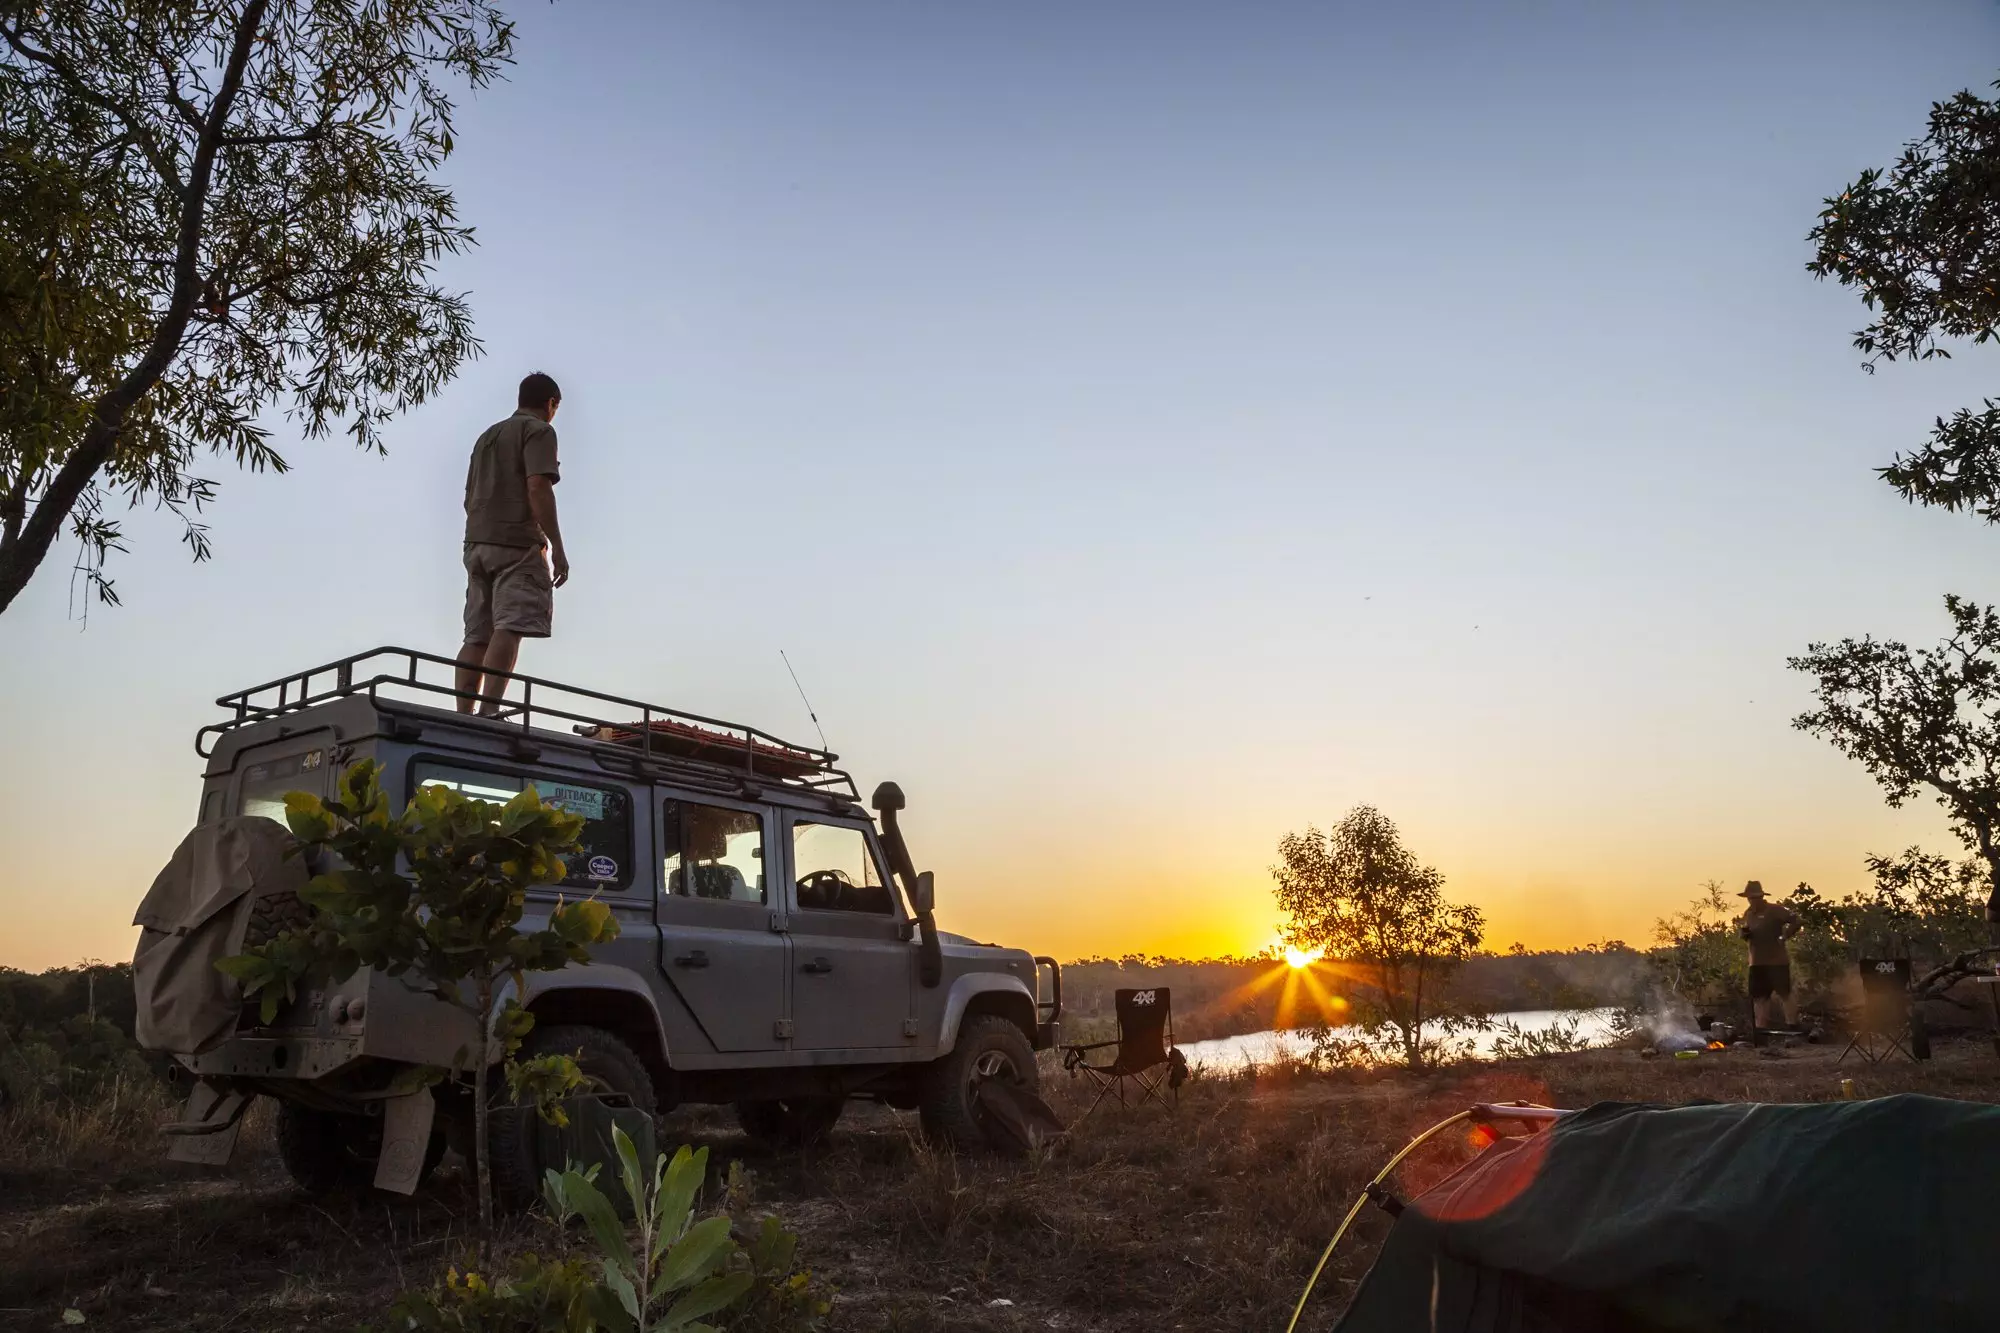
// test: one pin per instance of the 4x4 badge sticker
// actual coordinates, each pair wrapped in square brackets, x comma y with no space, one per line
[603,867]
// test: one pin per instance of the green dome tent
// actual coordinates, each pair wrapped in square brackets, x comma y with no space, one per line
[1863,1216]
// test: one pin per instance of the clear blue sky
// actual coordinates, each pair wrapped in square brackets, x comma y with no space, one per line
[1149,428]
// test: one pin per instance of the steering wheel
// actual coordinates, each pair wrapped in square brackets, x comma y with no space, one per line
[830,887]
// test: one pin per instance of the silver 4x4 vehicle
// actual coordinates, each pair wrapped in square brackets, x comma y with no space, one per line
[766,957]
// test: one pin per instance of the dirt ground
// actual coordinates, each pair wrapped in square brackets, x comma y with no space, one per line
[1206,1218]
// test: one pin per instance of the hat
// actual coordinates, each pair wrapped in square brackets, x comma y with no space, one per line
[1754,889]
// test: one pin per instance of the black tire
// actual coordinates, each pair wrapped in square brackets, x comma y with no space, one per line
[988,1046]
[511,1134]
[323,1152]
[790,1122]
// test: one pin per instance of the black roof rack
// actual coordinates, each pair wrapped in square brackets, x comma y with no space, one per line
[650,730]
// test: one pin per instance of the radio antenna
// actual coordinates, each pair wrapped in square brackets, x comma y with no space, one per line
[802,699]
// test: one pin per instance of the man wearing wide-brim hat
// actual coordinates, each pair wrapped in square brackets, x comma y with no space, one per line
[1767,925]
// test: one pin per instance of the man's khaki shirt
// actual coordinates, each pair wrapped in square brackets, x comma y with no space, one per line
[496,480]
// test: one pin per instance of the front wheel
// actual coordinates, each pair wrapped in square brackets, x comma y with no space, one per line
[988,1047]
[790,1122]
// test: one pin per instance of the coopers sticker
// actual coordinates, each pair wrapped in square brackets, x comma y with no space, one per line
[603,867]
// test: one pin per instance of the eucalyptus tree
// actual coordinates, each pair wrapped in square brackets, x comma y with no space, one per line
[1379,916]
[210,212]
[1920,243]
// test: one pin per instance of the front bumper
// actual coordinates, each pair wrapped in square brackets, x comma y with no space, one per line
[1048,1025]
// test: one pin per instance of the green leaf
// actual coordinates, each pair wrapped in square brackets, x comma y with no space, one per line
[675,1200]
[628,1169]
[774,1247]
[603,1222]
[621,1287]
[718,1293]
[704,1248]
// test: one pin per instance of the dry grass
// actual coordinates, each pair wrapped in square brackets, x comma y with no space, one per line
[1208,1218]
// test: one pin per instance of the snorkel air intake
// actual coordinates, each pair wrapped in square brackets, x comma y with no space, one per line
[887,800]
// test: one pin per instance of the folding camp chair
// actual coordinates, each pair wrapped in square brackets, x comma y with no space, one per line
[1146,1053]
[1886,1015]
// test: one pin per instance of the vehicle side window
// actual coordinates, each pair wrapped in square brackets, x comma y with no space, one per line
[836,871]
[713,852]
[604,858]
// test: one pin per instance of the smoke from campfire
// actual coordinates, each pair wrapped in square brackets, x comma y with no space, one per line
[1669,1023]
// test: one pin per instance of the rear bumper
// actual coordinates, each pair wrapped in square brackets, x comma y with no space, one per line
[276,1057]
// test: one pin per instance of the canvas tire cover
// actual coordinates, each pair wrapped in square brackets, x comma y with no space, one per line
[194,916]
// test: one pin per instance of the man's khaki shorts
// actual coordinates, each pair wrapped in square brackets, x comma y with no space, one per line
[507,587]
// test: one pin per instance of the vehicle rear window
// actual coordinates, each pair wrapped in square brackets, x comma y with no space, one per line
[605,858]
[265,783]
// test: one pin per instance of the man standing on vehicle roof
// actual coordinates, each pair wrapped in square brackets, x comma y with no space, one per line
[1767,925]
[514,558]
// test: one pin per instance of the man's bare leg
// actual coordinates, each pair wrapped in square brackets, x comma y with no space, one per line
[500,656]
[471,660]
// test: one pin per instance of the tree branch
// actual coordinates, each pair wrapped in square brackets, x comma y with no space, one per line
[313,135]
[20,555]
[141,135]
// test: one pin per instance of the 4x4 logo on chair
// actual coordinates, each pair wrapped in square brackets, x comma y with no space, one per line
[1147,1057]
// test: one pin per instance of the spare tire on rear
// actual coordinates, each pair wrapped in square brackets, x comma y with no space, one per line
[197,913]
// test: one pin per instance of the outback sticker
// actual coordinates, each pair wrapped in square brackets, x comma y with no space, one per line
[603,867]
[585,801]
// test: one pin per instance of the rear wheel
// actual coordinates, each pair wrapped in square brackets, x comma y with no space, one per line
[323,1152]
[609,1066]
[790,1122]
[988,1047]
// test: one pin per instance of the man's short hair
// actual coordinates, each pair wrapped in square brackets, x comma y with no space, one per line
[538,390]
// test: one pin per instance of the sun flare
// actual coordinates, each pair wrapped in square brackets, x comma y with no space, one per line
[1301,957]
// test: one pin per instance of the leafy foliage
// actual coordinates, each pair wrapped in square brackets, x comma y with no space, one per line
[1922,719]
[674,1276]
[450,922]
[207,210]
[66,1035]
[1922,906]
[1701,959]
[1921,243]
[1359,896]
[536,1296]
[680,1271]
[1515,1042]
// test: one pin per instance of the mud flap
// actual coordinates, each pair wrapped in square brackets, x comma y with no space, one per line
[1013,1119]
[206,1134]
[406,1137]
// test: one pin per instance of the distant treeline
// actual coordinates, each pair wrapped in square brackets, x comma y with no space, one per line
[1223,997]
[66,1033]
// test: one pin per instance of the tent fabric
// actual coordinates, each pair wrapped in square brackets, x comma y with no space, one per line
[194,916]
[1652,1219]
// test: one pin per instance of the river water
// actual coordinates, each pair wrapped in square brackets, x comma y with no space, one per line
[1251,1048]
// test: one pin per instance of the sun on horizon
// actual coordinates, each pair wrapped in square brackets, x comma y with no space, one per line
[1296,957]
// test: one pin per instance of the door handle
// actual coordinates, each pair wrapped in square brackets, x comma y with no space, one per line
[695,959]
[817,965]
